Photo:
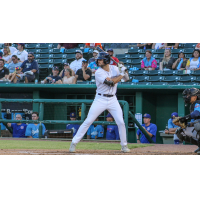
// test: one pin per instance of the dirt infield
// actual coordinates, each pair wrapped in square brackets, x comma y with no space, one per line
[157,149]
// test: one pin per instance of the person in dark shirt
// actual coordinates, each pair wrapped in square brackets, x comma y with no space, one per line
[167,61]
[4,72]
[30,68]
[54,78]
[83,74]
[67,45]
[144,45]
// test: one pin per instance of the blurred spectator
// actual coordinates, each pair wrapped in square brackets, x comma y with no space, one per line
[68,78]
[4,72]
[54,78]
[126,76]
[21,53]
[16,76]
[95,131]
[1,54]
[32,130]
[197,46]
[19,129]
[150,129]
[93,45]
[158,46]
[30,68]
[93,67]
[172,45]
[144,45]
[83,74]
[12,49]
[67,45]
[95,55]
[112,130]
[111,52]
[74,127]
[6,54]
[77,64]
[167,61]
[149,62]
[194,62]
[66,66]
[180,63]
[15,63]
[172,127]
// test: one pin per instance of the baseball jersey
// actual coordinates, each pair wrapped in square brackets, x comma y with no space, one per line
[112,132]
[100,77]
[74,127]
[33,130]
[95,131]
[152,128]
[18,130]
[172,125]
[113,63]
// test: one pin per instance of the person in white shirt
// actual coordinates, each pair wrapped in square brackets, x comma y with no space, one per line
[21,53]
[158,46]
[6,54]
[107,76]
[12,49]
[77,64]
[194,62]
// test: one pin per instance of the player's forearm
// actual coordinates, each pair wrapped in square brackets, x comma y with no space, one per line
[117,79]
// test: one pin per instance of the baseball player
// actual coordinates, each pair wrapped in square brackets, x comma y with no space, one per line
[74,127]
[107,77]
[112,130]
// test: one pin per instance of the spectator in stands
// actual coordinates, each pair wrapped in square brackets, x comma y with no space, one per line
[74,127]
[16,76]
[149,62]
[95,131]
[1,54]
[93,45]
[167,61]
[95,55]
[68,78]
[144,45]
[180,63]
[77,64]
[66,66]
[93,67]
[171,45]
[194,62]
[54,78]
[112,130]
[197,46]
[21,53]
[4,72]
[83,74]
[150,129]
[126,76]
[67,45]
[12,49]
[6,54]
[15,63]
[32,130]
[30,68]
[19,129]
[111,52]
[158,46]
[172,128]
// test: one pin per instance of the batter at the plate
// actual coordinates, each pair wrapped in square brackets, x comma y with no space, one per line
[107,77]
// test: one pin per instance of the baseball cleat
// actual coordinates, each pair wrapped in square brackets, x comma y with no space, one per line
[125,149]
[72,148]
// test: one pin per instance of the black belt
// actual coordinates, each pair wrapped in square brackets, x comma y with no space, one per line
[106,95]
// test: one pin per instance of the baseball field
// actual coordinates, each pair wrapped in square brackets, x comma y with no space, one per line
[52,147]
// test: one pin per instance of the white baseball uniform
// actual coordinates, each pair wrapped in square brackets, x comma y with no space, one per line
[102,103]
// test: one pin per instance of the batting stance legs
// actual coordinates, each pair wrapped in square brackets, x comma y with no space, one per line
[99,105]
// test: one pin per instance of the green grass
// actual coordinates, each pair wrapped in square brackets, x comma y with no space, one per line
[26,144]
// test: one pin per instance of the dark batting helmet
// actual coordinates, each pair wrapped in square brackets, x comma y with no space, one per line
[188,93]
[103,56]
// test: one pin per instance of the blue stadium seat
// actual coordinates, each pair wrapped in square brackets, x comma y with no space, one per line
[190,83]
[68,51]
[175,83]
[137,73]
[188,55]
[159,51]
[52,51]
[154,73]
[133,61]
[133,51]
[182,73]
[197,79]
[196,73]
[53,45]
[30,46]
[187,78]
[171,78]
[40,51]
[159,83]
[190,51]
[120,56]
[144,83]
[190,45]
[37,56]
[141,78]
[175,55]
[168,72]
[158,56]
[42,46]
[42,61]
[57,61]
[175,51]
[155,78]
[57,56]
[31,50]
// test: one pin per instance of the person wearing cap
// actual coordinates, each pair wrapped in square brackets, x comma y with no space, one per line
[77,64]
[172,128]
[74,127]
[66,66]
[111,52]
[12,49]
[112,132]
[54,78]
[95,56]
[83,74]
[95,131]
[150,129]
[30,68]
[21,53]
[15,63]
[93,45]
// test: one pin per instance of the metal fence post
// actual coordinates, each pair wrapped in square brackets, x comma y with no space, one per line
[40,130]
[41,113]
[83,111]
[125,111]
